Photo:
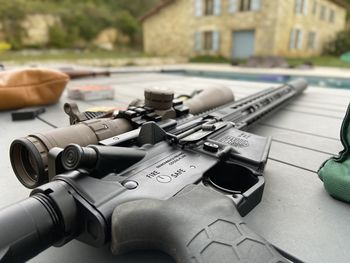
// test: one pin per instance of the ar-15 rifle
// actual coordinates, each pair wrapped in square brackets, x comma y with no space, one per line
[171,187]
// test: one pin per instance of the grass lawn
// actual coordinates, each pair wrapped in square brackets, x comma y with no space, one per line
[26,56]
[324,61]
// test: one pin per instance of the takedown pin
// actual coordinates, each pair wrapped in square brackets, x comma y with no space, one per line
[208,127]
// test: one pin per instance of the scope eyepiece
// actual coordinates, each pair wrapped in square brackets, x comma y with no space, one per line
[27,162]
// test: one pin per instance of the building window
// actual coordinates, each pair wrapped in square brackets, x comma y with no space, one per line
[311,41]
[208,40]
[323,13]
[296,39]
[300,6]
[245,5]
[209,7]
[331,16]
[314,8]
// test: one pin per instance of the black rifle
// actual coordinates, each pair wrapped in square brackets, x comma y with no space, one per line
[179,189]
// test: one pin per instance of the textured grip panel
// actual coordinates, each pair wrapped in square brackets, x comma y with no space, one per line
[198,225]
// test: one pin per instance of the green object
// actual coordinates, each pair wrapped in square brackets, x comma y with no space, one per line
[335,172]
[345,57]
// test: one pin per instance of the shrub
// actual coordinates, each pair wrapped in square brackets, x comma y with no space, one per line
[4,46]
[339,45]
[126,23]
[209,59]
[57,37]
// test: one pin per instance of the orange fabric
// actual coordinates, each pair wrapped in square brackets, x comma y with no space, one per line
[30,87]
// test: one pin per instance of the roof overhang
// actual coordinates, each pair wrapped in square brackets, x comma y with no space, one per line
[165,3]
[342,3]
[156,9]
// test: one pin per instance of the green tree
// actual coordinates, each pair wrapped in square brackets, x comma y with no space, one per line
[340,44]
[127,24]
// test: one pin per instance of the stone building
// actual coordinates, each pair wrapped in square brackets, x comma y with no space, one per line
[242,28]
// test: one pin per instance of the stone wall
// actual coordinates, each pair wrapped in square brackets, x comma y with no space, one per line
[263,22]
[37,27]
[172,30]
[325,30]
[108,38]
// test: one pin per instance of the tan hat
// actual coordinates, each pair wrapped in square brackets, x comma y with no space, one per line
[30,87]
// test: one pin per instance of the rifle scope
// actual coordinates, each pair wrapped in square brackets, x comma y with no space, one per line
[29,155]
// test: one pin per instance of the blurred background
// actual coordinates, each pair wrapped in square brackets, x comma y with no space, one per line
[70,29]
[142,32]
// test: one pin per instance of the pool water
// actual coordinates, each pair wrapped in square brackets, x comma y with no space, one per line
[340,83]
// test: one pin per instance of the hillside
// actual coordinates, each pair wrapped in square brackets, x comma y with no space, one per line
[80,20]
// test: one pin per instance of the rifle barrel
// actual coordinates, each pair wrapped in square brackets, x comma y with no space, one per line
[79,74]
[27,228]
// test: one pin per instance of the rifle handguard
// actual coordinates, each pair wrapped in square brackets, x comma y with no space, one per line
[197,225]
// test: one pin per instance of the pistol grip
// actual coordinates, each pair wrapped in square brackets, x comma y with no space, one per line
[197,225]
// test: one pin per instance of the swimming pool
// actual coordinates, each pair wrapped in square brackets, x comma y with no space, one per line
[340,83]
